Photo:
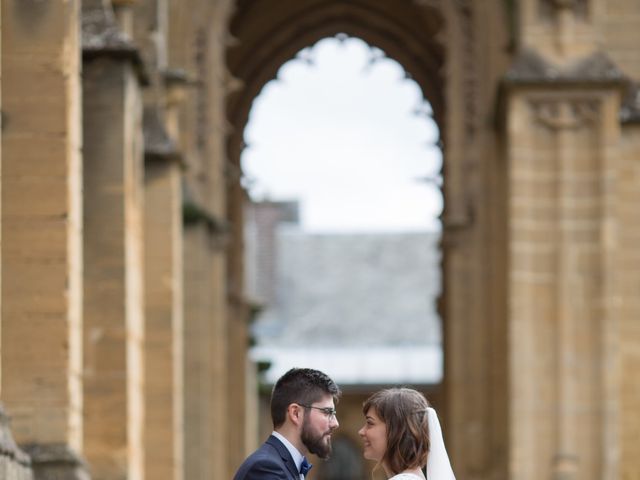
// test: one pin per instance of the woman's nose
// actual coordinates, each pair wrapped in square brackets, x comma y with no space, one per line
[361,432]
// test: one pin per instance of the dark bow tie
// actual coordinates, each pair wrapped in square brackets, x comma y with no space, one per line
[305,466]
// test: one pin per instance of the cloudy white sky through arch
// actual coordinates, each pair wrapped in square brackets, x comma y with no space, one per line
[345,132]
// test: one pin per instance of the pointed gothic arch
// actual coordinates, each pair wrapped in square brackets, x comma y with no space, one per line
[437,43]
[258,49]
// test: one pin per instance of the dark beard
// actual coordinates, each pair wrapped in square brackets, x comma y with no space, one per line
[315,443]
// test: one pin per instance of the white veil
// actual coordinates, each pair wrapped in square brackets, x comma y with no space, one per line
[438,465]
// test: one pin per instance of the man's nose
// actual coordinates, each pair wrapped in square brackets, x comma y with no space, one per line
[336,424]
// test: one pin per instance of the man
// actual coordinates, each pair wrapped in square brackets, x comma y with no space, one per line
[304,417]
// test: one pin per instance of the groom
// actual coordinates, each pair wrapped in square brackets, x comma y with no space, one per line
[304,417]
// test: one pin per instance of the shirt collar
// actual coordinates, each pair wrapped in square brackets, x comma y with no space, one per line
[295,454]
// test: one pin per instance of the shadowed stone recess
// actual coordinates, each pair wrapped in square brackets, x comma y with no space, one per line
[14,463]
[56,462]
[179,76]
[157,143]
[630,112]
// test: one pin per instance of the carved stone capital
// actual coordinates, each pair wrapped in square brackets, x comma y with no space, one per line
[179,76]
[550,8]
[101,36]
[630,112]
[565,467]
[8,447]
[56,462]
[565,114]
[218,228]
[157,143]
[566,4]
[427,3]
[530,68]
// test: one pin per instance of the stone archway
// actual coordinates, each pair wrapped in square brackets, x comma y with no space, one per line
[540,232]
[437,44]
[262,47]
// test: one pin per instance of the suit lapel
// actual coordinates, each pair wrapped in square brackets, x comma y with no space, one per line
[285,455]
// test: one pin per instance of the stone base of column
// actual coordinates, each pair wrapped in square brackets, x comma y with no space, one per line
[56,462]
[14,463]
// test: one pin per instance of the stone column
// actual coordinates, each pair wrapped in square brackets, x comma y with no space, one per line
[41,233]
[221,423]
[624,440]
[206,370]
[113,259]
[563,137]
[238,318]
[197,350]
[562,140]
[473,284]
[164,416]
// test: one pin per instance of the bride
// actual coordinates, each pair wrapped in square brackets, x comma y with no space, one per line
[402,434]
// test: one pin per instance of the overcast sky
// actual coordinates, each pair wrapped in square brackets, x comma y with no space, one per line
[339,131]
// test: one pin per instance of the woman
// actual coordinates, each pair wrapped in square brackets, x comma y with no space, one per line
[402,433]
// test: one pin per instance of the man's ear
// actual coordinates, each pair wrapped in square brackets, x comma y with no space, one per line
[295,413]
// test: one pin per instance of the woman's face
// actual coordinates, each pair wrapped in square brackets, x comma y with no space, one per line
[374,436]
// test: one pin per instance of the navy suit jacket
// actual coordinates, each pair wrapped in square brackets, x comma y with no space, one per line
[272,461]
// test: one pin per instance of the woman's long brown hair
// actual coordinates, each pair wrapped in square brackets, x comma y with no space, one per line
[404,413]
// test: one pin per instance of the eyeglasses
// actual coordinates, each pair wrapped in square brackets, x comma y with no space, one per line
[328,411]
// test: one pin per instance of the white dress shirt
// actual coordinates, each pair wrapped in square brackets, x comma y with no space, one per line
[295,454]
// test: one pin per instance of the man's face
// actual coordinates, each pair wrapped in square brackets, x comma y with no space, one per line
[318,426]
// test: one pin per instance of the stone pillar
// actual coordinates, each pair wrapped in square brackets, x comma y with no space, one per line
[206,394]
[473,246]
[221,423]
[113,259]
[41,233]
[164,416]
[562,141]
[238,363]
[14,463]
[627,265]
[563,148]
[197,354]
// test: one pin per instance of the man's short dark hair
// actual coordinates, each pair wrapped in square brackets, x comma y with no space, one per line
[300,385]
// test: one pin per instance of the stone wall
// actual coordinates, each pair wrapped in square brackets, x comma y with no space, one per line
[42,232]
[124,308]
[98,298]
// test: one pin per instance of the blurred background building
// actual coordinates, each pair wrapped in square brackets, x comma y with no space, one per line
[128,315]
[360,307]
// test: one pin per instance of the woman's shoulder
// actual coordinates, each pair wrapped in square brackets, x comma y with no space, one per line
[405,476]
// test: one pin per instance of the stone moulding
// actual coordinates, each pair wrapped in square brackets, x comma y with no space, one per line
[219,229]
[179,76]
[8,448]
[630,112]
[568,114]
[193,214]
[157,143]
[101,36]
[530,69]
[56,461]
